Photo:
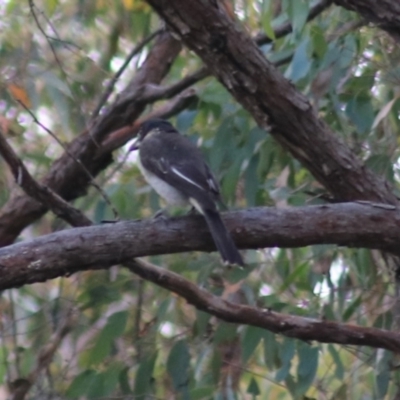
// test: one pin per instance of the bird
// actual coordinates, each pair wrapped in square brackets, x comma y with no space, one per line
[177,171]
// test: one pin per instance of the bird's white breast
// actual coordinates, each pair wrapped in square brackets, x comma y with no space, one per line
[166,191]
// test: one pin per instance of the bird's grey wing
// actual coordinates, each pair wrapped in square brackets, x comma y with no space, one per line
[187,177]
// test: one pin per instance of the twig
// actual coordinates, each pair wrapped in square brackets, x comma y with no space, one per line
[22,385]
[153,93]
[138,317]
[4,347]
[117,75]
[121,136]
[84,169]
[14,332]
[287,28]
[32,7]
[40,192]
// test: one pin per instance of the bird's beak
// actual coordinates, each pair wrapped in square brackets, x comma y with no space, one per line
[135,145]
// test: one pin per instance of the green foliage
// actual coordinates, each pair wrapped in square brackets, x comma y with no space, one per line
[178,367]
[114,328]
[143,378]
[133,339]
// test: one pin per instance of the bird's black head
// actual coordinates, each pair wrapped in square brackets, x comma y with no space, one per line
[150,125]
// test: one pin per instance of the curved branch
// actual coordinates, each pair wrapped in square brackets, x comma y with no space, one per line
[289,325]
[370,225]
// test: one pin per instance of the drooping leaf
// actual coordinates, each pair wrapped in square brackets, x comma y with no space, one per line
[253,388]
[301,64]
[250,341]
[361,113]
[307,367]
[144,376]
[298,12]
[178,365]
[287,352]
[81,384]
[114,328]
[339,370]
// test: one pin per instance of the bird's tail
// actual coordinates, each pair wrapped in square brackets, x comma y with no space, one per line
[222,239]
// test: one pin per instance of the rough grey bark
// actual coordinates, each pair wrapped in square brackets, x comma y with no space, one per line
[367,225]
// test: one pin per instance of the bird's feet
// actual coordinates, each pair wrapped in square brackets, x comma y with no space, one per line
[109,221]
[160,214]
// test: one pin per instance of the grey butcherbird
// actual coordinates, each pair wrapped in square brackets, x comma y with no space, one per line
[176,169]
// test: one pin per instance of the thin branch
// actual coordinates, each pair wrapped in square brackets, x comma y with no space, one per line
[14,332]
[81,165]
[121,136]
[44,358]
[307,329]
[32,7]
[57,37]
[152,93]
[40,192]
[287,28]
[138,317]
[137,49]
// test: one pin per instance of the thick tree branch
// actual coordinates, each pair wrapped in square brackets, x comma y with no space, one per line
[370,225]
[384,13]
[233,57]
